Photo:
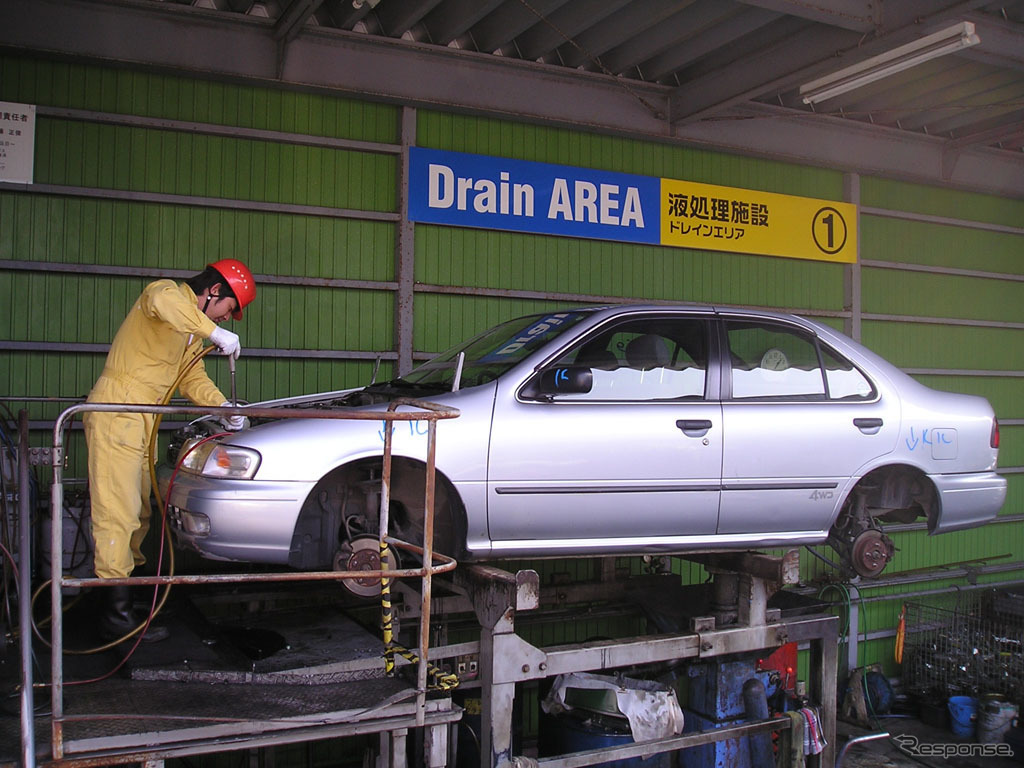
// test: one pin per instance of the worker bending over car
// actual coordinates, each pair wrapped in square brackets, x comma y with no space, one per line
[162,334]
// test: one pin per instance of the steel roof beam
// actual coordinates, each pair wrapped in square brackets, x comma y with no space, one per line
[1000,133]
[774,67]
[705,42]
[568,21]
[397,19]
[510,20]
[965,115]
[806,54]
[343,14]
[291,21]
[629,21]
[847,145]
[1002,43]
[242,48]
[1006,118]
[455,17]
[681,29]
[855,15]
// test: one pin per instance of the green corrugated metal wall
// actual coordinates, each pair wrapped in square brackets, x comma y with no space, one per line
[991,356]
[79,307]
[122,223]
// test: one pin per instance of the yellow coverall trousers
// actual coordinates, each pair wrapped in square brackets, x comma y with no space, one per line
[163,330]
[119,487]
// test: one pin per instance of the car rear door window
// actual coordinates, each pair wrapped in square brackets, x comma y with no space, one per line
[773,361]
[776,361]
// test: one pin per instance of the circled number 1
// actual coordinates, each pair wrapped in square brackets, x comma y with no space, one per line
[834,226]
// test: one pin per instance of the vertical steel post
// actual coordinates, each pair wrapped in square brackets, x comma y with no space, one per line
[824,659]
[385,583]
[405,250]
[428,561]
[56,615]
[853,633]
[28,738]
[852,272]
[497,700]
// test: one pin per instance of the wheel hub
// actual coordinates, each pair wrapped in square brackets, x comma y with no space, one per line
[870,553]
[360,554]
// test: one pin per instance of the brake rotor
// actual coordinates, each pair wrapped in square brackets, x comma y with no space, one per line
[362,554]
[871,552]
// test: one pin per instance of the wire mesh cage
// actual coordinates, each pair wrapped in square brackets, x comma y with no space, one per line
[970,644]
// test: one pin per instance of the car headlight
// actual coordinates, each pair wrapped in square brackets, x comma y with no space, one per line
[214,459]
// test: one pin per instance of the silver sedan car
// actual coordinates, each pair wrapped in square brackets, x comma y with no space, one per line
[610,430]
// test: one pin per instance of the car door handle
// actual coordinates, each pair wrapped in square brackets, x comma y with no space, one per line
[698,427]
[867,423]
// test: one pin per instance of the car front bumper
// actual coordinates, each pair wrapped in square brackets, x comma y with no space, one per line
[967,500]
[239,520]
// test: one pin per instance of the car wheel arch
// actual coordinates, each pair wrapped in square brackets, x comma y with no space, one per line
[344,504]
[894,491]
[890,493]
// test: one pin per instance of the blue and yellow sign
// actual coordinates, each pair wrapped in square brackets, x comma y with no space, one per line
[479,191]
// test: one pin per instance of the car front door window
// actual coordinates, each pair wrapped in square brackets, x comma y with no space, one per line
[644,360]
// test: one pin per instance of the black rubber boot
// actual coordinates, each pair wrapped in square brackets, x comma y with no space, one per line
[118,618]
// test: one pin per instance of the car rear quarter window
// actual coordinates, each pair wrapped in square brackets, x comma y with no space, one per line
[845,381]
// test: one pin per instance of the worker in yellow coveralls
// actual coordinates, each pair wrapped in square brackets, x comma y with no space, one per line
[161,335]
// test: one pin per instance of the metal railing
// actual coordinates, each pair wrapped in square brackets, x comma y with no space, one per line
[422,411]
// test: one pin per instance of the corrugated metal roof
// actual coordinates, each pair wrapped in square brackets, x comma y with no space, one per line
[716,54]
[721,73]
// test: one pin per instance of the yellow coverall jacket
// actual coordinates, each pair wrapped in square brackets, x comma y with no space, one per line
[162,333]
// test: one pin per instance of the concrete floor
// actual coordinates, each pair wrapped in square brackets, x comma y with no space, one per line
[923,745]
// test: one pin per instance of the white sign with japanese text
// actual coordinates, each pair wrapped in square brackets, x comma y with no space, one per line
[17,141]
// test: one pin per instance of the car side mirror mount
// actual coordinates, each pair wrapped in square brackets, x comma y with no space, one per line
[561,380]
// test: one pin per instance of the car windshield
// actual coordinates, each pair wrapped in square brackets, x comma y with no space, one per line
[493,352]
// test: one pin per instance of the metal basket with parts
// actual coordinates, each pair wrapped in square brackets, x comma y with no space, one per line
[971,644]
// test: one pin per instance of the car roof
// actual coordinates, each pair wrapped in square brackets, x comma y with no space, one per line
[612,310]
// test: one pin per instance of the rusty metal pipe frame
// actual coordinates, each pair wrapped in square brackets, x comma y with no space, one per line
[428,553]
[447,564]
[431,412]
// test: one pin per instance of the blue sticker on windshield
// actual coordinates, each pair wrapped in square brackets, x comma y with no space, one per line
[526,338]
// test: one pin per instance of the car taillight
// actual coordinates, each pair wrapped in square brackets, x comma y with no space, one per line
[995,433]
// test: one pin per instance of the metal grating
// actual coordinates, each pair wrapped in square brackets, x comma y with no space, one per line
[972,646]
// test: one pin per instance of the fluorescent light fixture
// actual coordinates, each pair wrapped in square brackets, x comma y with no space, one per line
[948,40]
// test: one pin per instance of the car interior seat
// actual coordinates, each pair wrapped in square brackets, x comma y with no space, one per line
[647,352]
[597,355]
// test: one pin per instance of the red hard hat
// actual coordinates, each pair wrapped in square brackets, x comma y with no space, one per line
[239,279]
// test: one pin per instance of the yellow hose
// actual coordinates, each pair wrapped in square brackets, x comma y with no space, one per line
[164,529]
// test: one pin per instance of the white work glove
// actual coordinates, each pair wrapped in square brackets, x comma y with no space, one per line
[227,341]
[233,423]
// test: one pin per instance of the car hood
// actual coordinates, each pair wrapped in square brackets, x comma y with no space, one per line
[304,449]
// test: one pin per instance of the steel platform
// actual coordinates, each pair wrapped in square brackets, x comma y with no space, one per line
[277,677]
